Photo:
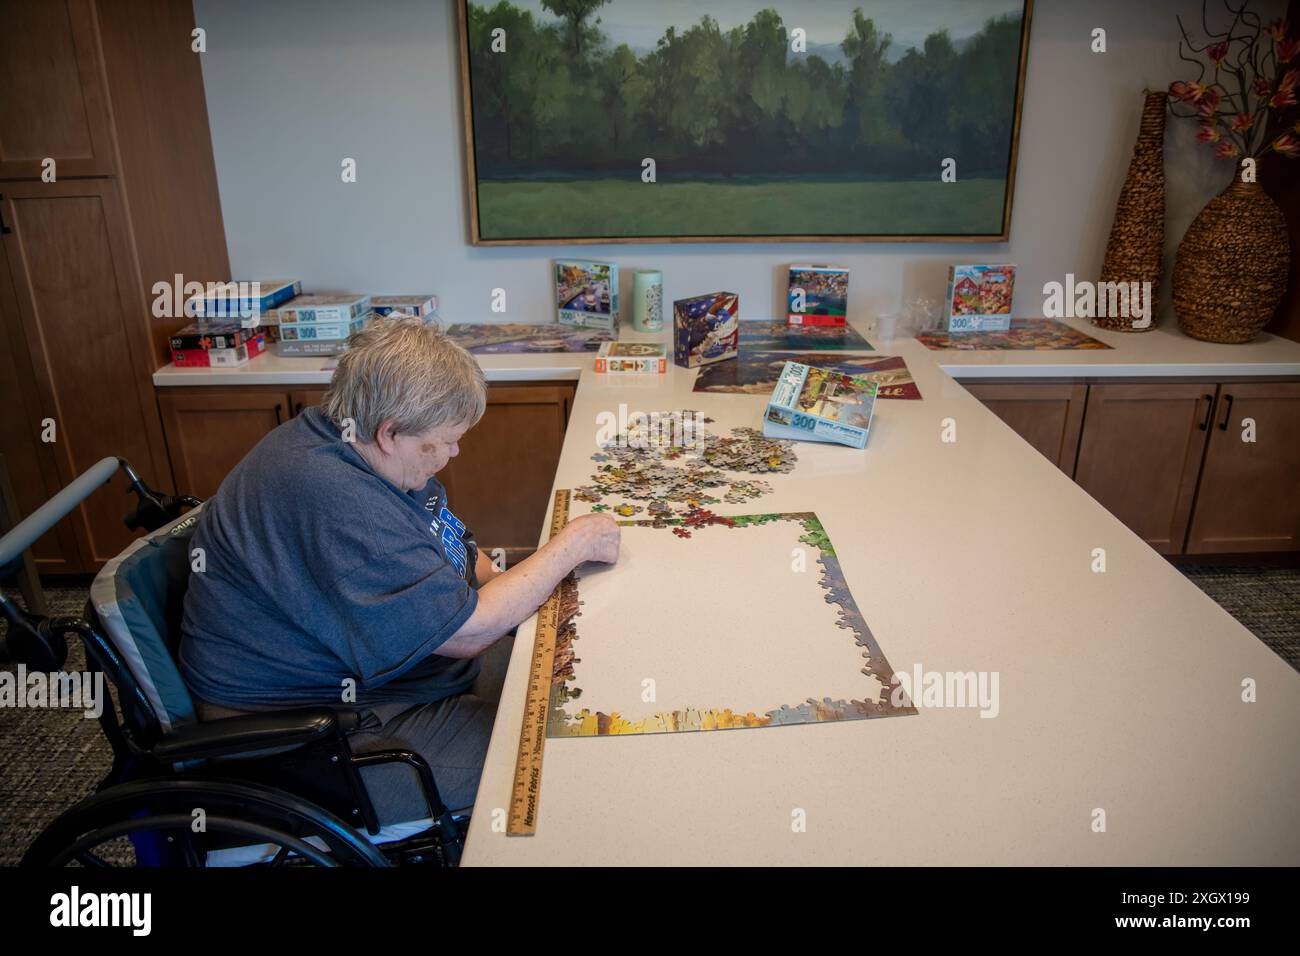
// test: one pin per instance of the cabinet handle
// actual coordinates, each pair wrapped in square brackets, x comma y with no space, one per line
[1209,410]
[4,230]
[297,410]
[277,413]
[1227,414]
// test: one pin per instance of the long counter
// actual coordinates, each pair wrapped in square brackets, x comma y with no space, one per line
[1120,692]
[1162,352]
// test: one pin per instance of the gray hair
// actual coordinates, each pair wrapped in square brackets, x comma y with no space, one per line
[406,370]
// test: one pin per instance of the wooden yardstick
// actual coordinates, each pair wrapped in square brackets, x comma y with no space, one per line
[526,791]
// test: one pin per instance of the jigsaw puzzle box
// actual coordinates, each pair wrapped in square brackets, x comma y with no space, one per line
[322,307]
[586,293]
[420,306]
[639,358]
[979,298]
[819,404]
[225,356]
[706,329]
[818,295]
[321,331]
[210,335]
[246,301]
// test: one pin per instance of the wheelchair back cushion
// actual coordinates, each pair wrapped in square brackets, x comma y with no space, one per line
[139,597]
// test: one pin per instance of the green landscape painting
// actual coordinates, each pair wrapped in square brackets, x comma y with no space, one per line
[735,120]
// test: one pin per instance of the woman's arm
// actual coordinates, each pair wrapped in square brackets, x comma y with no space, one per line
[484,569]
[514,595]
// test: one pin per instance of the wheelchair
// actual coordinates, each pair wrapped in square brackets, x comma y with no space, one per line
[275,789]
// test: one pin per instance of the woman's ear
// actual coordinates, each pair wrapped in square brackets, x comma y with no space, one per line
[386,436]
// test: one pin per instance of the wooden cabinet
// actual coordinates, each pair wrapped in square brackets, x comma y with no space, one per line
[113,94]
[500,484]
[29,462]
[55,102]
[79,316]
[210,430]
[1141,452]
[1048,416]
[1172,460]
[1249,493]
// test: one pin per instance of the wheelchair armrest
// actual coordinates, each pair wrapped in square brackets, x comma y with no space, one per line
[250,733]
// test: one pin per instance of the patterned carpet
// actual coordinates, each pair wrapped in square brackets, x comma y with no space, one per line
[50,759]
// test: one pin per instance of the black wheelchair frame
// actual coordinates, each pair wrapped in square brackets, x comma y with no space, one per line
[287,778]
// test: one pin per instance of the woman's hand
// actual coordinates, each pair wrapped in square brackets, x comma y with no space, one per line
[597,537]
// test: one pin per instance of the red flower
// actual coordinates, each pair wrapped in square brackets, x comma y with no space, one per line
[1288,144]
[1225,149]
[1217,52]
[1286,89]
[1277,29]
[1243,121]
[1260,86]
[1208,134]
[1287,49]
[1189,92]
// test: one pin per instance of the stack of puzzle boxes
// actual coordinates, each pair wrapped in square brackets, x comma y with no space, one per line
[227,330]
[321,324]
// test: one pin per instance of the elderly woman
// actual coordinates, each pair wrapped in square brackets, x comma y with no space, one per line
[335,572]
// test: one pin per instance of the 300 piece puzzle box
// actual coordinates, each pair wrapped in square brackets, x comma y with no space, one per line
[819,404]
[586,294]
[979,298]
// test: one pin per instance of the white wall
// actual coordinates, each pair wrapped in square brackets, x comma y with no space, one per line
[293,86]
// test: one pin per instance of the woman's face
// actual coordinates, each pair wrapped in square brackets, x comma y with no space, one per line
[417,458]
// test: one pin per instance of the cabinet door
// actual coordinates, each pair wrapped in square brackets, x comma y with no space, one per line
[1140,453]
[83,323]
[1049,417]
[55,103]
[28,463]
[500,484]
[303,398]
[1249,494]
[210,430]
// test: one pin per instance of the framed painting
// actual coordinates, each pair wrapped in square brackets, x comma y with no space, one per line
[607,121]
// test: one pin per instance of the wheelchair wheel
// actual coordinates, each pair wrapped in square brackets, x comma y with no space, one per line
[240,824]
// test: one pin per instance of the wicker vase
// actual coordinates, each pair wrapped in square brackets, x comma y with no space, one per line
[1231,268]
[1137,237]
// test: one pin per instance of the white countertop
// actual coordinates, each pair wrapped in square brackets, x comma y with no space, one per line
[1118,691]
[1164,351]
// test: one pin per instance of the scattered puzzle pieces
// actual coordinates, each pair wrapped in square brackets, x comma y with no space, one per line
[668,459]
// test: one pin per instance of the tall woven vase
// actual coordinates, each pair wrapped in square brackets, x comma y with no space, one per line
[1137,237]
[1231,269]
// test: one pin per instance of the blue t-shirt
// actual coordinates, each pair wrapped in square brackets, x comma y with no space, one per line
[318,570]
